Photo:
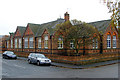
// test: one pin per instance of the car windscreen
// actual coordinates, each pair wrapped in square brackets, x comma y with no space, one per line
[40,56]
[11,53]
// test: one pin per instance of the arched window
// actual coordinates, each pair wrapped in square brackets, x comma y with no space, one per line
[108,41]
[114,41]
[46,42]
[60,43]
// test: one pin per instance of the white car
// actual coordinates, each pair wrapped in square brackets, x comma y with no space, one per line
[38,58]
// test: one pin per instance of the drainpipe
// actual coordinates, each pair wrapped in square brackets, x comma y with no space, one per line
[101,45]
[51,43]
[35,43]
[22,43]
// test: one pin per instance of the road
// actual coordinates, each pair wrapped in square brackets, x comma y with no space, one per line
[21,69]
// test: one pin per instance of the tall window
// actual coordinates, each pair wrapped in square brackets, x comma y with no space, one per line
[108,41]
[95,43]
[16,43]
[114,41]
[11,43]
[31,42]
[60,43]
[71,44]
[20,40]
[46,42]
[26,42]
[7,44]
[39,43]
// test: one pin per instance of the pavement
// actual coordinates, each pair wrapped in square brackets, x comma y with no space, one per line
[63,65]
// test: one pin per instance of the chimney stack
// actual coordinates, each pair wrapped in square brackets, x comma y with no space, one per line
[66,16]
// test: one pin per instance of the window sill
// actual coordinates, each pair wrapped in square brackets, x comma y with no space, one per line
[60,48]
[46,47]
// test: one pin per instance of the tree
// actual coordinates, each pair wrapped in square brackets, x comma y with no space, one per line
[113,8]
[77,32]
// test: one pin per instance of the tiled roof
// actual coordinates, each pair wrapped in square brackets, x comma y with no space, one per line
[101,25]
[38,29]
[21,29]
[50,26]
[34,27]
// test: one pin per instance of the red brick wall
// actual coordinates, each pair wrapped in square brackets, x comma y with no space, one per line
[28,31]
[17,33]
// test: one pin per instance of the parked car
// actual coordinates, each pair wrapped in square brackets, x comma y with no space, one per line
[38,59]
[9,54]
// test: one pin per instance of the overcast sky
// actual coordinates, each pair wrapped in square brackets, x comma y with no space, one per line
[15,13]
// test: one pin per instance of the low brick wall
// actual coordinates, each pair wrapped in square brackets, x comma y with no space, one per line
[82,60]
[73,59]
[77,60]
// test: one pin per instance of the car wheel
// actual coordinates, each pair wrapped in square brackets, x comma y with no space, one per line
[6,57]
[50,64]
[3,56]
[38,63]
[29,61]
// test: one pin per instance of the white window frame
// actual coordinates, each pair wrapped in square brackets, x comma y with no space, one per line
[7,44]
[26,40]
[20,41]
[72,44]
[15,42]
[39,42]
[96,44]
[93,44]
[31,42]
[46,42]
[108,41]
[114,41]
[60,43]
